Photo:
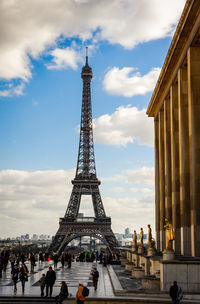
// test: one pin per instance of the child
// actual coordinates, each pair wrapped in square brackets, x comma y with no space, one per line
[42,282]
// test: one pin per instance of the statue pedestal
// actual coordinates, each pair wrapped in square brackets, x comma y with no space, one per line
[168,255]
[151,252]
[140,250]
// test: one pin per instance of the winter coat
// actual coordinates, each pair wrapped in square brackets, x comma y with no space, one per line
[50,277]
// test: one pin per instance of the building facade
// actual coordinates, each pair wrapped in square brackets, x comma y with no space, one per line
[175,106]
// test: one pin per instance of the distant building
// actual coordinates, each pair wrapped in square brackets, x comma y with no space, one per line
[126,232]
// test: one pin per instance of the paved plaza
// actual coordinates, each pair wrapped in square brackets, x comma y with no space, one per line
[79,272]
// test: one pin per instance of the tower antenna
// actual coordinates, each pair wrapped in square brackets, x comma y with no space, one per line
[86,55]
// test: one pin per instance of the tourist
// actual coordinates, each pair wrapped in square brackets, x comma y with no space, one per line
[97,255]
[41,258]
[15,273]
[50,281]
[32,260]
[175,293]
[63,259]
[63,293]
[23,258]
[23,276]
[5,258]
[69,260]
[105,259]
[95,277]
[12,259]
[66,258]
[42,282]
[55,259]
[79,295]
[92,257]
[101,257]
[46,256]
[18,257]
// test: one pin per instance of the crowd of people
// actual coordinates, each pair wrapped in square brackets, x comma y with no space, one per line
[20,271]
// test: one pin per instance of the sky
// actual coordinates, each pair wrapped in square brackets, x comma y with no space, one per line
[42,52]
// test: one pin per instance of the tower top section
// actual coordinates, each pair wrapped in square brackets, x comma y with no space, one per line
[86,70]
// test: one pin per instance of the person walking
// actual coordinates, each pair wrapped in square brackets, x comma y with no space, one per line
[5,258]
[23,258]
[50,281]
[15,274]
[69,260]
[63,293]
[175,293]
[41,258]
[95,277]
[79,295]
[63,259]
[32,260]
[55,259]
[42,282]
[12,259]
[23,276]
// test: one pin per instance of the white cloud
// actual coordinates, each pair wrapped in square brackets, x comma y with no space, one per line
[32,202]
[141,190]
[17,90]
[124,126]
[128,82]
[141,176]
[28,28]
[129,212]
[118,189]
[65,58]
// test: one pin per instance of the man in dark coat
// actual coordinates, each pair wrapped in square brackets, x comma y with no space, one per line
[95,277]
[50,281]
[173,292]
[15,274]
[63,293]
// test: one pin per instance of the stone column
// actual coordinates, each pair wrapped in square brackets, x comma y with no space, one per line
[162,178]
[175,165]
[194,144]
[157,188]
[184,162]
[167,147]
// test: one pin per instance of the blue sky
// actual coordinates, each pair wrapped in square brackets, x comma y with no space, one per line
[41,55]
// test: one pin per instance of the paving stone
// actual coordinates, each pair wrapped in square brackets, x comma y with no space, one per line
[79,272]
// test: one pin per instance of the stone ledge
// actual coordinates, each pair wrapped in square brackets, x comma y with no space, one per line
[116,285]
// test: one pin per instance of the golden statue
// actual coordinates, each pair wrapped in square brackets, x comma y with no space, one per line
[170,235]
[141,237]
[135,239]
[150,240]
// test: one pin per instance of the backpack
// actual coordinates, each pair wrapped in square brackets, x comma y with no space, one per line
[180,293]
[85,292]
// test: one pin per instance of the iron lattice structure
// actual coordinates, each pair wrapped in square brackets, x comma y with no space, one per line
[85,183]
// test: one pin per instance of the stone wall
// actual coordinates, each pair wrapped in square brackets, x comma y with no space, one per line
[187,275]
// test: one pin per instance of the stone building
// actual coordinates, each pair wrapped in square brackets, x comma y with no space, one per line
[175,106]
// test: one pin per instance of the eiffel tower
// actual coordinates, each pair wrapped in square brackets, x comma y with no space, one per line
[85,183]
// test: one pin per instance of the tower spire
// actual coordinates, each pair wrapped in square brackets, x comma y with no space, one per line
[86,55]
